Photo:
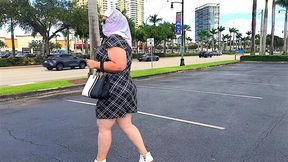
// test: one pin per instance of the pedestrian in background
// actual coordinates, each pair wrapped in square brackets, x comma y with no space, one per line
[122,102]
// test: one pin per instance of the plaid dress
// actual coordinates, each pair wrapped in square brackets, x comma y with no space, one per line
[122,93]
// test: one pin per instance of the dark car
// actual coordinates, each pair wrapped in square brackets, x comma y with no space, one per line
[216,53]
[205,54]
[148,57]
[64,60]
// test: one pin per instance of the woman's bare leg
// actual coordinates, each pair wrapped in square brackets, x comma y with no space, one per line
[132,132]
[104,137]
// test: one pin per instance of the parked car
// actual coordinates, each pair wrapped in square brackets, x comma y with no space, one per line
[6,55]
[240,51]
[205,54]
[63,60]
[148,57]
[216,53]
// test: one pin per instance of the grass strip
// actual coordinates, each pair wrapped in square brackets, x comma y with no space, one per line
[66,83]
[34,87]
[148,72]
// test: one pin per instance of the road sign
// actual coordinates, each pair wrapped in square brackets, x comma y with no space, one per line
[150,42]
[178,23]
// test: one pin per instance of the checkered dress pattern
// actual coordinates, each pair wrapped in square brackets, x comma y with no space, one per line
[122,93]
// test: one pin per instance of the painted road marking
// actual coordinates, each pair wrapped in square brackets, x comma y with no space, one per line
[205,92]
[18,84]
[162,117]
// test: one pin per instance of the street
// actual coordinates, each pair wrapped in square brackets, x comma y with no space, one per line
[11,76]
[230,113]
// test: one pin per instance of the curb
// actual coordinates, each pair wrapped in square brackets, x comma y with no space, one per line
[75,89]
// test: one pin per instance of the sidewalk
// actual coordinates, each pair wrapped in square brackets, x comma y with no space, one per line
[11,76]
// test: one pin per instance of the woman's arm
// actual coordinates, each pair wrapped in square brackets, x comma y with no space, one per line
[118,60]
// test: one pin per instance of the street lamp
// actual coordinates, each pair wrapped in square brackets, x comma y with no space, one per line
[285,31]
[182,33]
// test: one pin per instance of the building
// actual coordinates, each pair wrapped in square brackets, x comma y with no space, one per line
[207,17]
[22,42]
[134,8]
[81,2]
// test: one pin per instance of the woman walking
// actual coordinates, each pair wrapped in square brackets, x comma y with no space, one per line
[122,102]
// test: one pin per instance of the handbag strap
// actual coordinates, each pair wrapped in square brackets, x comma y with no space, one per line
[102,66]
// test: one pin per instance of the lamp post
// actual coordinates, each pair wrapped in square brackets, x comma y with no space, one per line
[182,33]
[285,31]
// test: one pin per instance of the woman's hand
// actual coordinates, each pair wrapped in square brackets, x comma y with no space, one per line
[92,64]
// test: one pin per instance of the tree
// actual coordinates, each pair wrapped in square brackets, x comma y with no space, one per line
[47,15]
[154,19]
[220,30]
[248,38]
[213,32]
[284,3]
[253,26]
[232,31]
[2,44]
[273,26]
[8,15]
[265,27]
[203,37]
[238,39]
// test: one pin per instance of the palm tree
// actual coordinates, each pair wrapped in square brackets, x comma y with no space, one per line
[265,27]
[203,36]
[273,27]
[186,28]
[232,32]
[213,32]
[284,3]
[154,19]
[225,38]
[253,26]
[238,39]
[94,32]
[248,36]
[220,30]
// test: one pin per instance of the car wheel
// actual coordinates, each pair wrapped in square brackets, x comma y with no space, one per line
[82,65]
[49,68]
[157,59]
[199,56]
[59,67]
[72,67]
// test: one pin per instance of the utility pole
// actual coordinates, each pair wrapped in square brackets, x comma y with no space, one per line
[94,33]
[265,27]
[261,33]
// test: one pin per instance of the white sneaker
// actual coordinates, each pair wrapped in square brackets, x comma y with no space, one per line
[146,158]
[100,161]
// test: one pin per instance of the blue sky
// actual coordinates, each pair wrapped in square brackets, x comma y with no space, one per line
[233,13]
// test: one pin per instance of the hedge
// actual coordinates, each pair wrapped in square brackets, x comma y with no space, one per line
[18,61]
[265,58]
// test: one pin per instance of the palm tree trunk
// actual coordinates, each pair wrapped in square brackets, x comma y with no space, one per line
[285,32]
[230,44]
[273,27]
[253,26]
[164,50]
[261,33]
[12,38]
[68,41]
[94,33]
[265,27]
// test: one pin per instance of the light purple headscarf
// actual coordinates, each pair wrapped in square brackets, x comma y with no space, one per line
[116,23]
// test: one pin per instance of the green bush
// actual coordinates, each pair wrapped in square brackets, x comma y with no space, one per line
[264,58]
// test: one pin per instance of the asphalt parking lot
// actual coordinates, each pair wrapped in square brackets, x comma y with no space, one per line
[225,114]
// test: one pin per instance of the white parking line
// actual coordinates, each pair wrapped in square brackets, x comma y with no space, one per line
[206,92]
[162,117]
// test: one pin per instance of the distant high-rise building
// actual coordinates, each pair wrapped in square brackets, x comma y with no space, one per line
[134,8]
[207,17]
[81,2]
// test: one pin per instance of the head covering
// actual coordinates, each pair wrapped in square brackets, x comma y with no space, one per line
[116,23]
